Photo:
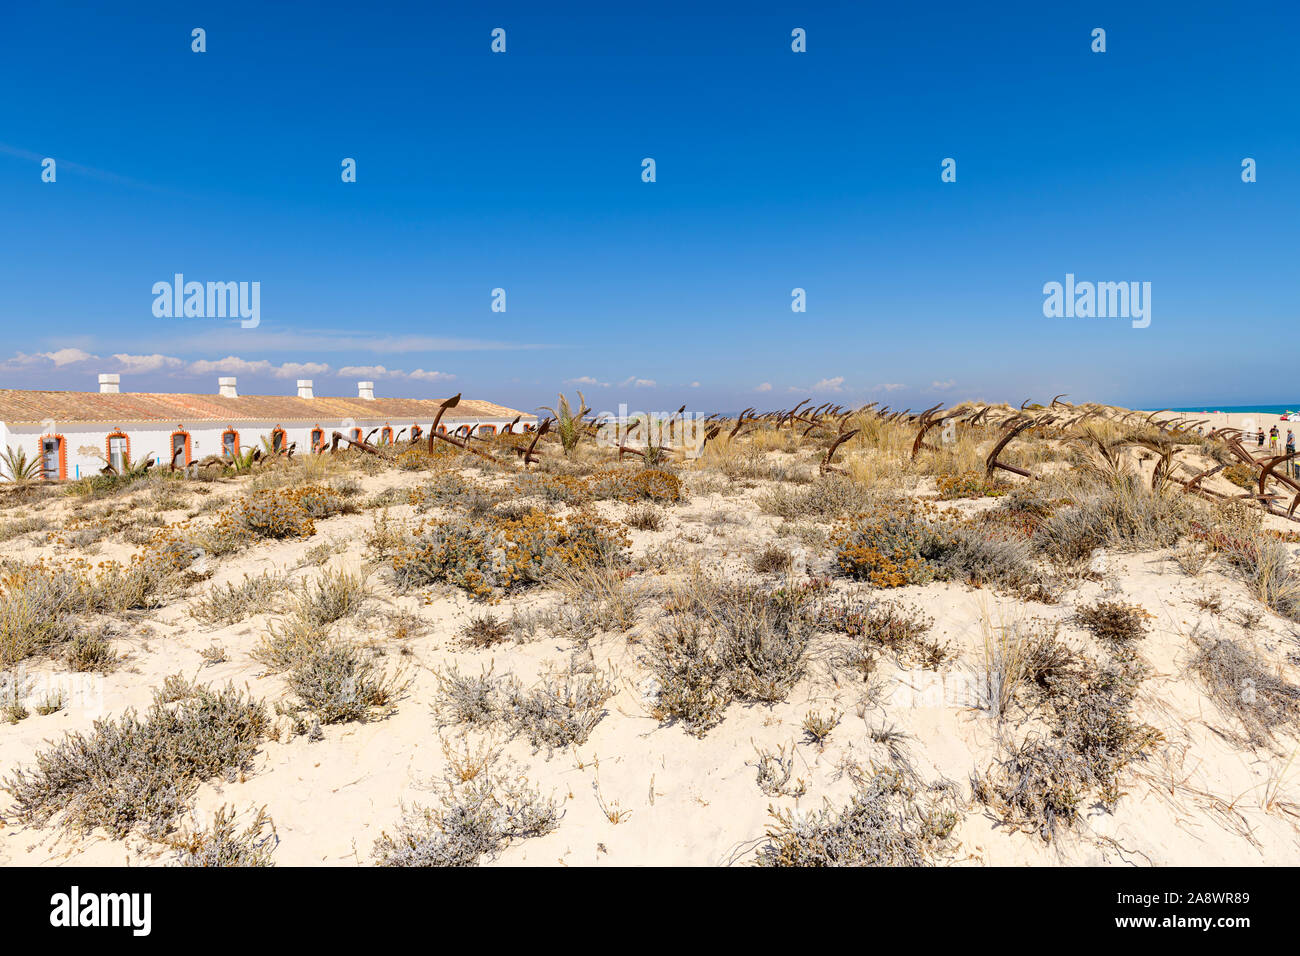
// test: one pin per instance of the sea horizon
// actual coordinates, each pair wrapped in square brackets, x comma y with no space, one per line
[1240,409]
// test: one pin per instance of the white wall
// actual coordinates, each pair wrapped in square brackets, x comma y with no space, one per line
[154,440]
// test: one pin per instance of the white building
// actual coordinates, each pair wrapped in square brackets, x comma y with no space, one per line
[76,433]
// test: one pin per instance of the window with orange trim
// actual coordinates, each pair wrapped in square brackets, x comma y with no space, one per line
[230,443]
[487,429]
[386,434]
[117,450]
[277,439]
[356,434]
[318,439]
[181,446]
[416,432]
[442,429]
[54,458]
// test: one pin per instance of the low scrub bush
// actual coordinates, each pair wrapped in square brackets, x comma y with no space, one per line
[40,602]
[1244,687]
[560,711]
[882,626]
[645,518]
[1114,622]
[475,817]
[338,681]
[828,497]
[1270,573]
[485,631]
[969,484]
[886,823]
[899,544]
[91,651]
[493,555]
[278,513]
[1092,738]
[223,844]
[332,596]
[468,699]
[728,642]
[237,601]
[1122,514]
[141,772]
[773,559]
[888,547]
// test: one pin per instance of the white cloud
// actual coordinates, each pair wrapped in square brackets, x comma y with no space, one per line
[635,382]
[381,371]
[765,387]
[695,384]
[369,371]
[144,363]
[316,341]
[295,369]
[22,361]
[234,365]
[231,364]
[69,359]
[63,357]
[586,380]
[888,387]
[835,384]
[943,386]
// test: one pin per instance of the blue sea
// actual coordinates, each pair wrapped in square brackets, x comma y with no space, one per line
[1242,409]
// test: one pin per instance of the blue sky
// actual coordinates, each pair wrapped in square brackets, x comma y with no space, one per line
[775,170]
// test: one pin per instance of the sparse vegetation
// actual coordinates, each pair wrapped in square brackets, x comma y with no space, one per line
[489,556]
[888,822]
[725,643]
[477,815]
[484,631]
[234,602]
[134,772]
[223,844]
[753,605]
[91,652]
[337,681]
[1244,687]
[1045,778]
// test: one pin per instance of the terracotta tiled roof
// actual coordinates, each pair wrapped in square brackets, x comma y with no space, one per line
[21,406]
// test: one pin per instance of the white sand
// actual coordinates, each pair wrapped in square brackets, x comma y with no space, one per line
[686,801]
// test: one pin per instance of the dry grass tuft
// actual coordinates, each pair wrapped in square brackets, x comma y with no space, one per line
[1244,687]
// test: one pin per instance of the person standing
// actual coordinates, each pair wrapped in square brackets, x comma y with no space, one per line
[1259,442]
[1272,439]
[1290,450]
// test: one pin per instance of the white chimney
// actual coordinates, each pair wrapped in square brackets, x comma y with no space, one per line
[109,382]
[366,390]
[305,388]
[226,388]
